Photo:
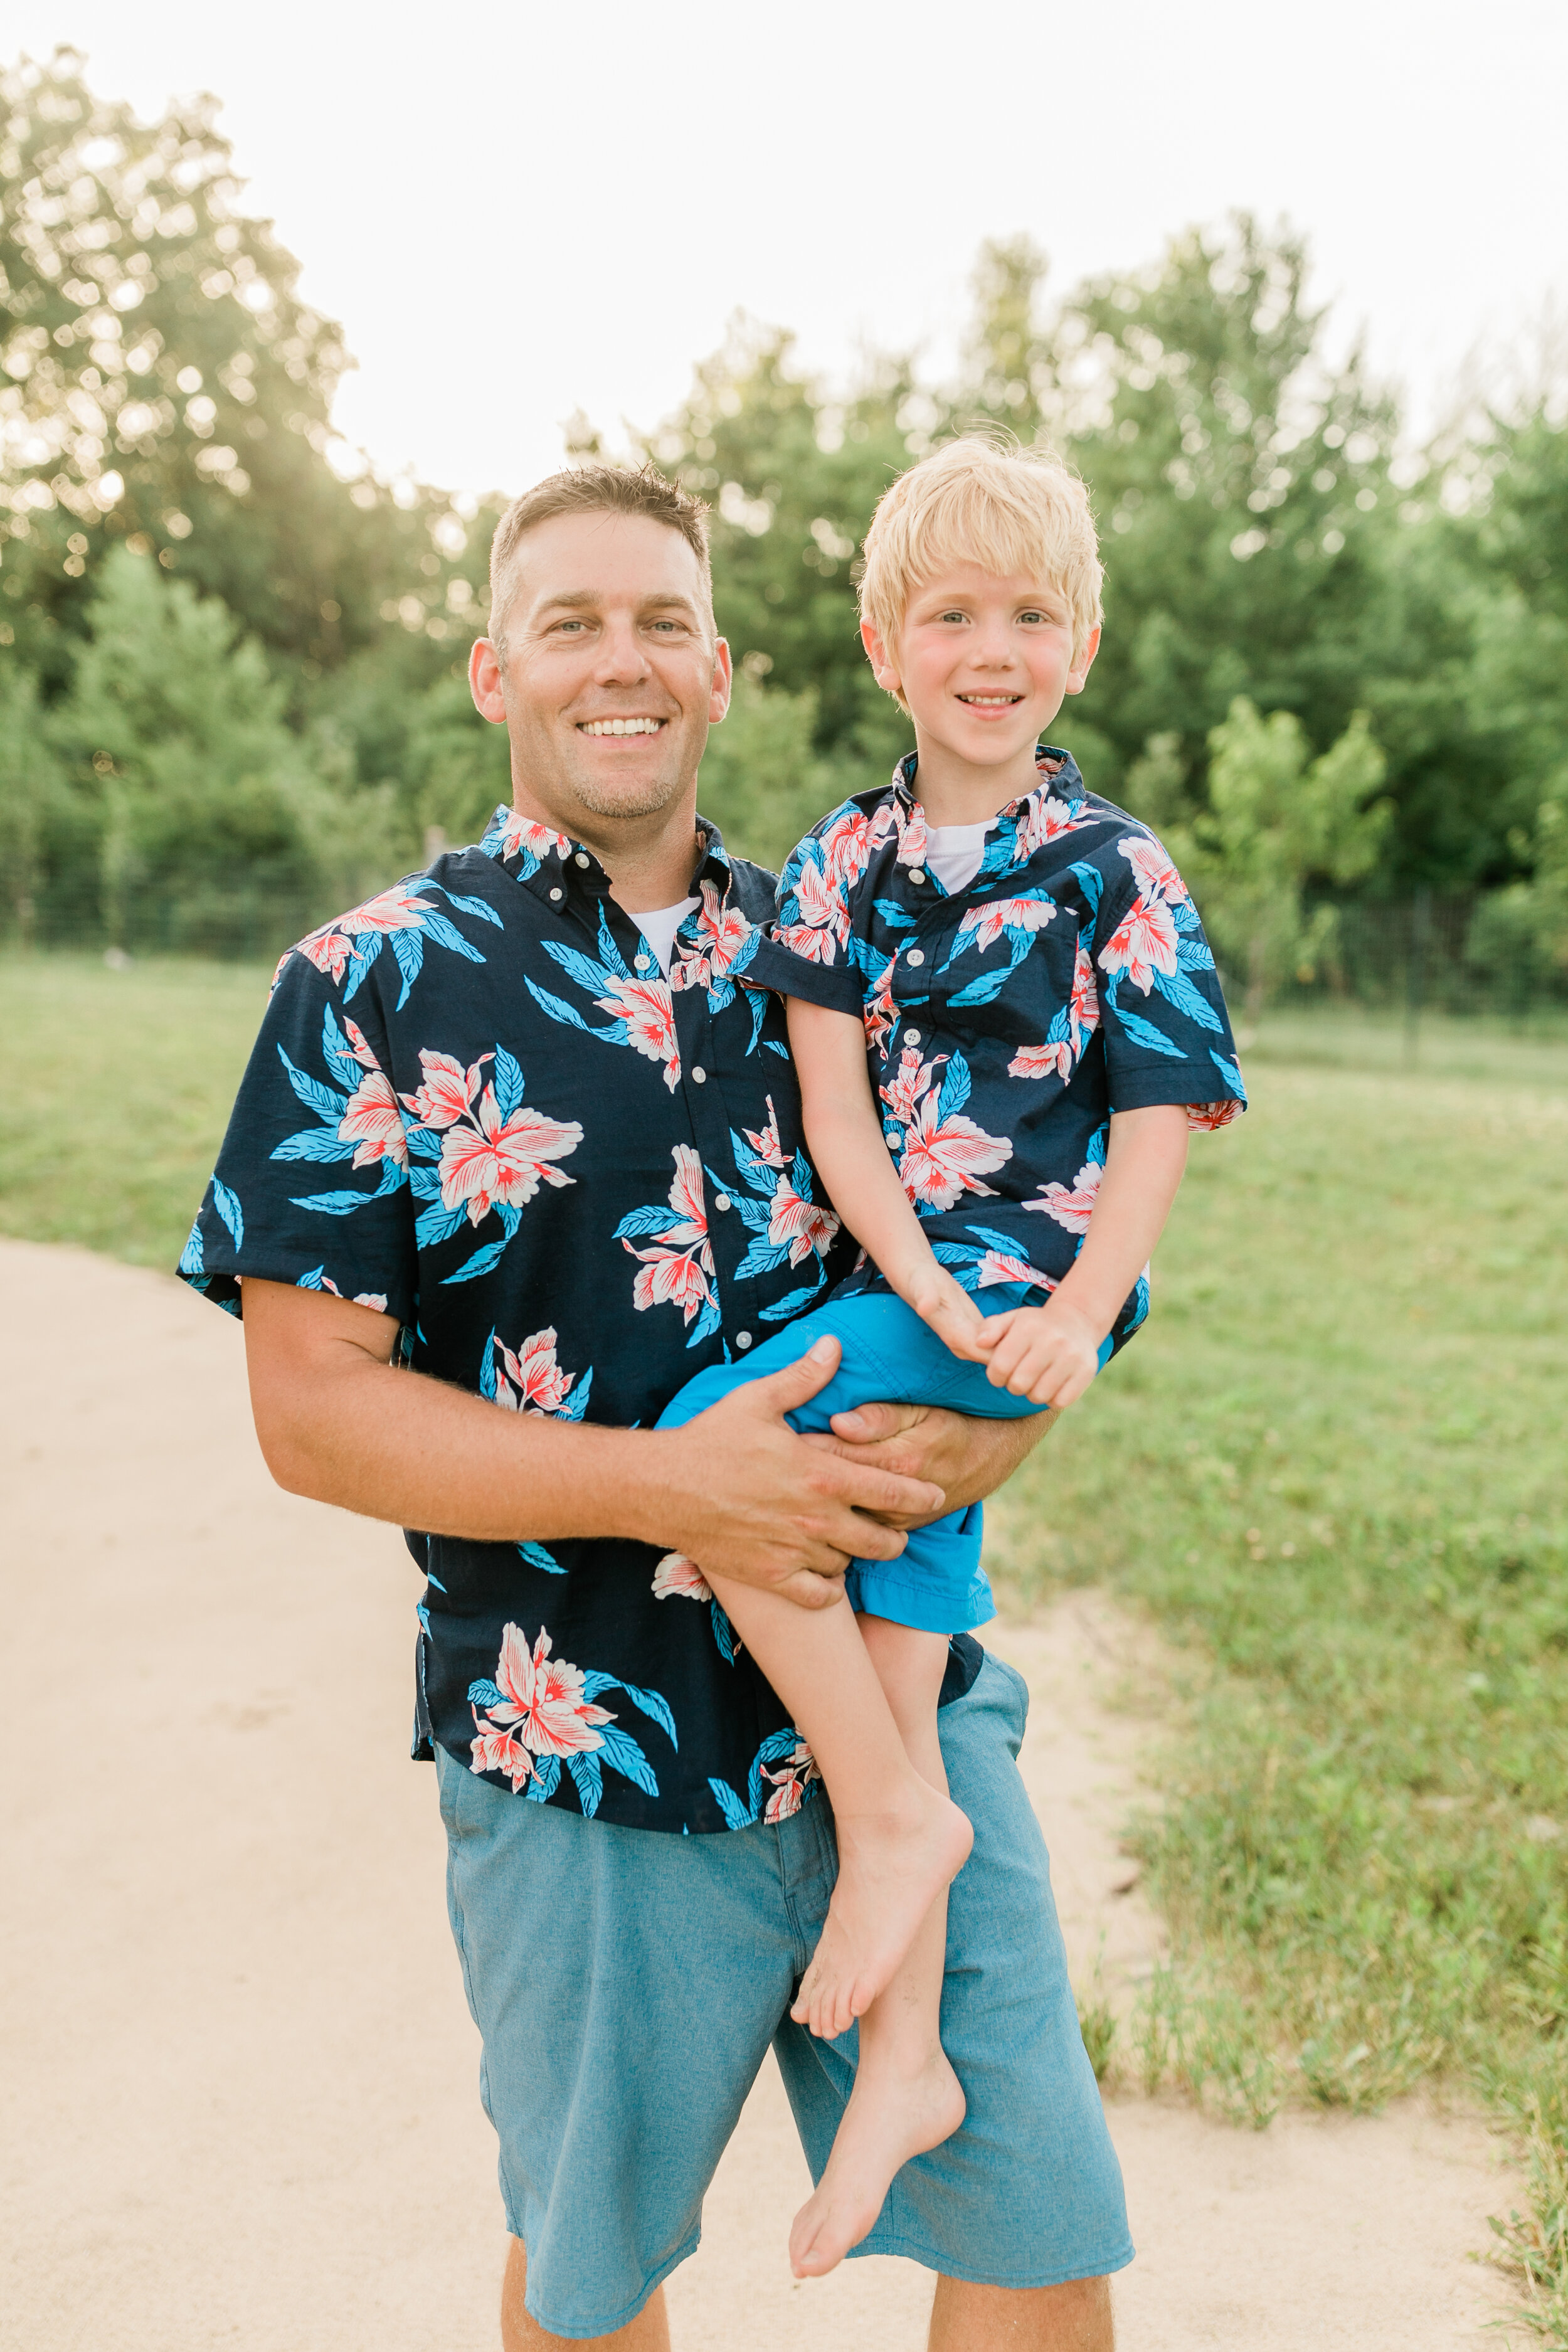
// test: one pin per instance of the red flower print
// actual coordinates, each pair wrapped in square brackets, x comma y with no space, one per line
[539,1709]
[946,1158]
[801,1223]
[1208,1118]
[984,925]
[534,1381]
[676,1574]
[1157,878]
[675,1271]
[766,1143]
[790,1783]
[1000,1265]
[373,1123]
[1072,1205]
[487,1161]
[647,1008]
[1142,943]
[1042,1061]
[520,831]
[447,1089]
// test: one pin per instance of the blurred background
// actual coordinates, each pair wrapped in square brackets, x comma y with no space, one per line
[1293,295]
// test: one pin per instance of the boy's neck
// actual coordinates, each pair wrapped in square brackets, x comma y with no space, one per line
[954,792]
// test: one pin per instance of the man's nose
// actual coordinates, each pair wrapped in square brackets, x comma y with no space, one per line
[623,656]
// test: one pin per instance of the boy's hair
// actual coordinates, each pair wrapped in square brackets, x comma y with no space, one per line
[594,490]
[989,502]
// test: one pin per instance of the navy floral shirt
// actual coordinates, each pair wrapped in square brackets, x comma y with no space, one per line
[1006,1023]
[478,1105]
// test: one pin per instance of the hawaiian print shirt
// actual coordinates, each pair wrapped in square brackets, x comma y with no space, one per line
[1006,1023]
[478,1105]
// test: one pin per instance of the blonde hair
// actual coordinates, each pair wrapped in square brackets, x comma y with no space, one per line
[977,501]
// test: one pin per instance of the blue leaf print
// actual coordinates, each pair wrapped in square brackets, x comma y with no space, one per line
[965,1263]
[425,1184]
[314,1143]
[1089,877]
[538,1556]
[955,1087]
[1178,990]
[1097,1145]
[778,1744]
[1184,916]
[408,947]
[621,1752]
[1230,1073]
[337,1204]
[445,934]
[589,1782]
[1193,956]
[545,1780]
[337,1054]
[484,1261]
[707,1323]
[771,1045]
[614,959]
[654,1220]
[1141,1033]
[758,997]
[783,1308]
[588,975]
[436,1225]
[762,1258]
[576,1404]
[488,1368]
[989,985]
[480,907]
[484,1694]
[655,1707]
[723,1633]
[508,1082]
[192,1257]
[313,1095]
[893,915]
[422,1144]
[736,1817]
[559,1010]
[315,1280]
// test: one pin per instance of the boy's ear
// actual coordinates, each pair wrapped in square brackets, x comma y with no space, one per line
[882,668]
[1078,676]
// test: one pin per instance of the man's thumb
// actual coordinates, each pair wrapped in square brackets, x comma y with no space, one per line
[798,1381]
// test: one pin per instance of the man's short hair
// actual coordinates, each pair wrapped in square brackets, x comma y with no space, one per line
[594,490]
[979,500]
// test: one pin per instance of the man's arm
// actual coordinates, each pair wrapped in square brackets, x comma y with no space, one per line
[736,1488]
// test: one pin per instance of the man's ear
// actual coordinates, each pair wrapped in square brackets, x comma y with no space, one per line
[723,680]
[1078,676]
[484,682]
[883,668]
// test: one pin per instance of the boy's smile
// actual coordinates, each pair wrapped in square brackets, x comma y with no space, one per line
[984,663]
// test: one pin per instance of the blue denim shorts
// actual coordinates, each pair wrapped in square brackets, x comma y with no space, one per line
[937,1582]
[626,1985]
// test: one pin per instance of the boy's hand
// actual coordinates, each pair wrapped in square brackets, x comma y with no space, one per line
[1048,1354]
[948,1310]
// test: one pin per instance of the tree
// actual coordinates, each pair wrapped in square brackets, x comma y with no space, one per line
[1277,820]
[32,795]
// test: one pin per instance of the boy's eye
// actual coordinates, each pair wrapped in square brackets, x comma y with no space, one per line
[954,615]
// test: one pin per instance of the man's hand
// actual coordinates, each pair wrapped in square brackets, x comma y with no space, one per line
[740,1492]
[968,1459]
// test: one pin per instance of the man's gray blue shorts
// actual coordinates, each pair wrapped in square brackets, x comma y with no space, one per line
[626,1984]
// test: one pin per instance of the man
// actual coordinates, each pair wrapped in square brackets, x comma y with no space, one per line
[568,1173]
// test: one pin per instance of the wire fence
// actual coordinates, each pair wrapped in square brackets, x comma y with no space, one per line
[1405,957]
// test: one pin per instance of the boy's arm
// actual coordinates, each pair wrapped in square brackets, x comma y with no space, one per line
[1051,1353]
[844,1136]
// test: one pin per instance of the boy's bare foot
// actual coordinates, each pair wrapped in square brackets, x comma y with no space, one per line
[891,1868]
[889,2118]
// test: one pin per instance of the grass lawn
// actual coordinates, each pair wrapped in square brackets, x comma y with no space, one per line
[121,1085]
[1334,1465]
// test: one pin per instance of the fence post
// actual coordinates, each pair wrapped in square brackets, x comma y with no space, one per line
[1416,971]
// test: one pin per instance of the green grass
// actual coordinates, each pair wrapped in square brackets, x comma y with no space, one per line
[119,1086]
[1333,1467]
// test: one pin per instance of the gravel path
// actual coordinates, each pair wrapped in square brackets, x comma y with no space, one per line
[237,2073]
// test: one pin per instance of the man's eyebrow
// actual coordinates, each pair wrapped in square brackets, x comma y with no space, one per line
[576,599]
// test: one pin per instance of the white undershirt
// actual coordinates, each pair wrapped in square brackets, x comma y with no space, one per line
[954,853]
[659,926]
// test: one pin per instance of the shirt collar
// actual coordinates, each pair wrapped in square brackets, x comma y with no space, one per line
[1059,779]
[553,863]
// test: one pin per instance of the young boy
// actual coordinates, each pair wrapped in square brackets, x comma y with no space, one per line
[1003,1130]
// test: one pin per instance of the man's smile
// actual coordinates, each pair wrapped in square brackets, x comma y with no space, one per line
[620,726]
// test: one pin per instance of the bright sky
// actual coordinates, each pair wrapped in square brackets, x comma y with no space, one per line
[516,211]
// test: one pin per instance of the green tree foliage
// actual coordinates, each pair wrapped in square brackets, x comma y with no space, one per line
[33,798]
[1277,820]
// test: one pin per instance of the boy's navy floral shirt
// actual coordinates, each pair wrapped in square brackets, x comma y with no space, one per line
[478,1105]
[1006,1023]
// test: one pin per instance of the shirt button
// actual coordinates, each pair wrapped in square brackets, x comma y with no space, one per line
[911,1037]
[722,1200]
[699,1075]
[555,894]
[914,956]
[582,857]
[645,963]
[917,874]
[743,1339]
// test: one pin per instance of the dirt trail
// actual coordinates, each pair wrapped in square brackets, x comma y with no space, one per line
[237,2073]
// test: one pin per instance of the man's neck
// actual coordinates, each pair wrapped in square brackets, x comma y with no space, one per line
[651,860]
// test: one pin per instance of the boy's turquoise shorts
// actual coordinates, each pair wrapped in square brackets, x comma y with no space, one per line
[626,1985]
[937,1584]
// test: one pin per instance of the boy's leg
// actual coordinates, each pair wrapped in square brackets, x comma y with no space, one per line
[906,2098]
[900,1840]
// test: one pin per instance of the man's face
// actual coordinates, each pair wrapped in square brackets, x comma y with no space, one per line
[612,674]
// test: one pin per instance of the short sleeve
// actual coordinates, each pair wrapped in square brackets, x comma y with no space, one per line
[1166,1032]
[807,950]
[311,1183]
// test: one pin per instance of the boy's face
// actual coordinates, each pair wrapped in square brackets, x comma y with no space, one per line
[984,662]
